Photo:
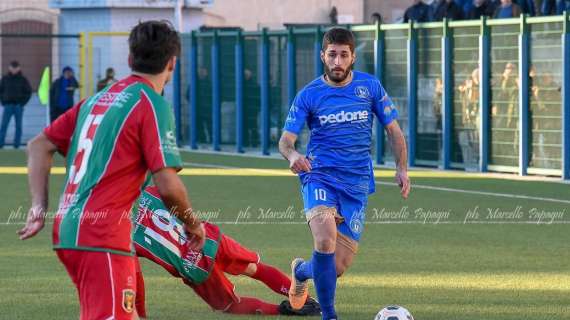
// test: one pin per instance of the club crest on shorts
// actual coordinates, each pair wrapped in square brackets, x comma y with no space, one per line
[362,92]
[357,222]
[128,300]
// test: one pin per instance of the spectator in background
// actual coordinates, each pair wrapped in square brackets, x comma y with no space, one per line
[507,9]
[546,126]
[507,109]
[418,12]
[548,8]
[527,7]
[510,91]
[469,134]
[447,9]
[480,8]
[465,5]
[333,16]
[492,6]
[376,18]
[109,79]
[554,7]
[61,93]
[15,92]
[437,103]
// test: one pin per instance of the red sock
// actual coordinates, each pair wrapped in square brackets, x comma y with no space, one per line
[249,305]
[273,278]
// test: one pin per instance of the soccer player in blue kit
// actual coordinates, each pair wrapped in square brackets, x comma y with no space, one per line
[336,174]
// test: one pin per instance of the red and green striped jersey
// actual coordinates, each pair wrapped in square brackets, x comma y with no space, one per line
[111,141]
[160,237]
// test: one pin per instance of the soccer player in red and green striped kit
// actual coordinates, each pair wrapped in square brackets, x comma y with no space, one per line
[159,237]
[111,141]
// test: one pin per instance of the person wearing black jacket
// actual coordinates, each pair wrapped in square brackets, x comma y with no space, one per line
[61,93]
[447,9]
[481,8]
[418,12]
[15,92]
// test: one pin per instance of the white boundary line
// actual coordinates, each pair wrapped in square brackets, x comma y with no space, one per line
[390,166]
[482,193]
[415,186]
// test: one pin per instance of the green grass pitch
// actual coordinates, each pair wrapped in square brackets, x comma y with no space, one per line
[512,262]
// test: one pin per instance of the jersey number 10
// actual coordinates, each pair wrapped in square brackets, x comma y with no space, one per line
[320,194]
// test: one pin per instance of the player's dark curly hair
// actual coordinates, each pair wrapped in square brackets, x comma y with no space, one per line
[152,44]
[339,36]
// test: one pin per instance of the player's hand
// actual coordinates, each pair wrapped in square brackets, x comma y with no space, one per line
[299,163]
[196,237]
[403,181]
[34,223]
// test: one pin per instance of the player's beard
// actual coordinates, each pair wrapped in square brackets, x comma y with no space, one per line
[337,75]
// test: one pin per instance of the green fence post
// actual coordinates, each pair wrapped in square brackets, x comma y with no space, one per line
[379,47]
[193,91]
[177,100]
[317,53]
[412,92]
[239,91]
[265,99]
[447,95]
[566,99]
[291,63]
[216,93]
[484,94]
[524,97]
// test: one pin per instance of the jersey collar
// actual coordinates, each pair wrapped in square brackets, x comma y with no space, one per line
[343,86]
[137,78]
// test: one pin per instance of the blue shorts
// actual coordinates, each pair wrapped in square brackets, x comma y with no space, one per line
[350,205]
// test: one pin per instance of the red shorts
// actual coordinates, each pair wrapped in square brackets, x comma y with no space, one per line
[105,283]
[233,258]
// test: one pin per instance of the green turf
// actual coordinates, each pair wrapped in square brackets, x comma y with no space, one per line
[434,265]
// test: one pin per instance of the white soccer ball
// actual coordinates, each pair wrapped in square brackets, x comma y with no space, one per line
[394,313]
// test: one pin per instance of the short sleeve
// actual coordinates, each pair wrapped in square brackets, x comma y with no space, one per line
[158,138]
[383,106]
[298,114]
[61,130]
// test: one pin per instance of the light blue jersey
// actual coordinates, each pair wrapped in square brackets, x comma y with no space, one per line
[340,122]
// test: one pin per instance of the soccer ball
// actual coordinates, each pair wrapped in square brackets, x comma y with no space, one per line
[394,313]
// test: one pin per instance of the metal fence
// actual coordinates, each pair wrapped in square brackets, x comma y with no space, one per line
[488,95]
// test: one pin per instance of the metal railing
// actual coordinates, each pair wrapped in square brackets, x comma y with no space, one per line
[488,95]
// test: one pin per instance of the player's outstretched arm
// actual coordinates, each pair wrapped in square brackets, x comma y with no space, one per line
[40,158]
[297,162]
[398,144]
[173,193]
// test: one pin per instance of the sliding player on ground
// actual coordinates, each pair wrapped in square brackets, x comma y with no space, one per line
[159,237]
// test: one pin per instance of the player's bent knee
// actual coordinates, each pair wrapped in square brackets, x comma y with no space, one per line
[323,226]
[325,245]
[250,270]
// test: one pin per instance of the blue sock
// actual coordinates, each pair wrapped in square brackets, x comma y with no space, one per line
[304,271]
[324,274]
